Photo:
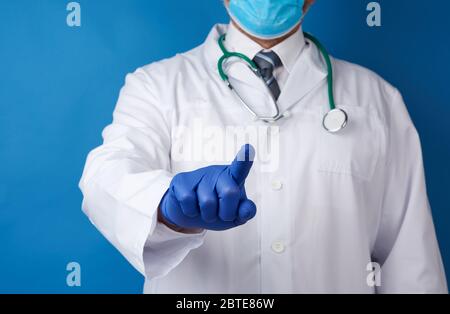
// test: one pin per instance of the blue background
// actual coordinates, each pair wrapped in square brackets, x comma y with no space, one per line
[59,86]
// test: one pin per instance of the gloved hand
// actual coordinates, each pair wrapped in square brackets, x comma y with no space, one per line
[211,198]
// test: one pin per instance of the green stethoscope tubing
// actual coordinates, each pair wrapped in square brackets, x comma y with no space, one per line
[228,54]
[327,58]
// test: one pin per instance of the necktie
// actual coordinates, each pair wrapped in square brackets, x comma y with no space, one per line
[267,62]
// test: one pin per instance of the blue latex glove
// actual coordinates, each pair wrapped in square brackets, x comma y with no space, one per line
[211,198]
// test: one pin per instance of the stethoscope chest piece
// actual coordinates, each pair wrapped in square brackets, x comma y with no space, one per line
[335,120]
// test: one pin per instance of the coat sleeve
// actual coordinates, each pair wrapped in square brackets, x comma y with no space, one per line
[125,178]
[406,245]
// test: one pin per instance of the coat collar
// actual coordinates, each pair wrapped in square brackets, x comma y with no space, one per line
[308,71]
[288,50]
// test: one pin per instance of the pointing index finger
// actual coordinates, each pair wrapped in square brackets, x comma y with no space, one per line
[242,164]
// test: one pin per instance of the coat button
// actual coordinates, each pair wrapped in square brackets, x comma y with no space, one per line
[277,185]
[278,247]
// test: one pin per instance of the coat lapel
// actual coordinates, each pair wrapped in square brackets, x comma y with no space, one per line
[309,71]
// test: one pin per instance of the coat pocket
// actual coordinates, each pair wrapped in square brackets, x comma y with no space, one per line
[355,150]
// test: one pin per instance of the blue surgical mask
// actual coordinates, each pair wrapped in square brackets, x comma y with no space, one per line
[266,19]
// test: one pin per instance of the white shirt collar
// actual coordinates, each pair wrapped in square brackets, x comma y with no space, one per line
[288,50]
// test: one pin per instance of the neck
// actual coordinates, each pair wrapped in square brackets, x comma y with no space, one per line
[266,43]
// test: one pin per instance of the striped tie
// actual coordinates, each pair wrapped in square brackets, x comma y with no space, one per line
[267,62]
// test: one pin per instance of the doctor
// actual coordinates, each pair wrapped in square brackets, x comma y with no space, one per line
[303,209]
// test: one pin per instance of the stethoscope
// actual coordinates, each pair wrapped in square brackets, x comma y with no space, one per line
[334,120]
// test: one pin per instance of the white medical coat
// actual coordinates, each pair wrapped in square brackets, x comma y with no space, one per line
[328,207]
